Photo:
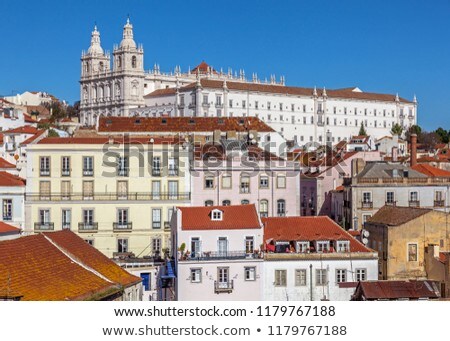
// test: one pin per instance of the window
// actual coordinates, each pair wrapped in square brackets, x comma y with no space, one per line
[390,198]
[209,203]
[122,166]
[146,280]
[156,218]
[438,199]
[90,241]
[122,245]
[156,246]
[302,247]
[156,190]
[250,273]
[412,252]
[226,181]
[293,107]
[7,209]
[218,100]
[45,166]
[367,197]
[222,246]
[281,181]
[323,246]
[300,277]
[195,247]
[196,275]
[65,190]
[44,190]
[156,166]
[249,244]
[230,103]
[281,208]
[44,216]
[216,215]
[263,181]
[264,208]
[413,197]
[245,202]
[88,190]
[66,217]
[361,274]
[88,218]
[209,181]
[65,166]
[88,166]
[226,203]
[244,186]
[343,246]
[173,167]
[280,278]
[122,189]
[173,190]
[341,275]
[256,105]
[243,104]
[122,218]
[321,277]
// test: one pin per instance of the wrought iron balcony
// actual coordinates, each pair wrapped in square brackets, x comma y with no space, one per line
[220,255]
[113,196]
[44,226]
[367,204]
[439,203]
[7,217]
[88,227]
[122,226]
[223,287]
[390,203]
[66,226]
[44,171]
[156,171]
[414,203]
[65,172]
[173,171]
[206,105]
[219,105]
[88,172]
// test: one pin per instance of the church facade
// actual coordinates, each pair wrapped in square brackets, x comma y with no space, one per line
[304,115]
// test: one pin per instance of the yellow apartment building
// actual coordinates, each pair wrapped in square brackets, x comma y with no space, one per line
[116,193]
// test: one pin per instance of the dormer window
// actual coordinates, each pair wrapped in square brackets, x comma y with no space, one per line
[216,215]
[302,247]
[343,246]
[322,246]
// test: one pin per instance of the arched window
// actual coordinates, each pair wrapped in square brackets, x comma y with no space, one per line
[85,94]
[107,91]
[134,90]
[226,203]
[264,208]
[94,92]
[133,62]
[100,66]
[117,90]
[209,181]
[100,92]
[281,207]
[119,61]
[244,184]
[245,202]
[209,203]
[86,67]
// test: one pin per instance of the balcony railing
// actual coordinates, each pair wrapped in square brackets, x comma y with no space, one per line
[122,227]
[88,172]
[244,189]
[367,204]
[122,172]
[156,171]
[114,196]
[65,172]
[221,255]
[88,227]
[191,105]
[44,226]
[223,287]
[66,226]
[219,105]
[439,203]
[206,105]
[173,171]
[44,171]
[390,203]
[414,203]
[7,217]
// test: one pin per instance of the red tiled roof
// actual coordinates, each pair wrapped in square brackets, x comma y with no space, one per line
[8,229]
[9,180]
[291,90]
[162,92]
[233,218]
[308,229]
[397,215]
[1,139]
[339,188]
[443,257]
[22,130]
[105,140]
[33,138]
[203,68]
[398,289]
[217,151]
[431,171]
[5,164]
[29,119]
[43,111]
[5,101]
[181,124]
[39,268]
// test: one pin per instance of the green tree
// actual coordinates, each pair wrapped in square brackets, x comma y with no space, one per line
[397,129]
[52,133]
[362,130]
[443,134]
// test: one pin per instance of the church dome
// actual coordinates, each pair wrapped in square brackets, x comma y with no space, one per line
[95,47]
[127,40]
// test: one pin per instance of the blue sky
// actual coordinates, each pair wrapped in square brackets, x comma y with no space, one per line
[380,46]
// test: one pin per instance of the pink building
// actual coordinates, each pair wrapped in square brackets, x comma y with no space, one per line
[234,173]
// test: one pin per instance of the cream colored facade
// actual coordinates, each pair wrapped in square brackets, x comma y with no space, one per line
[119,214]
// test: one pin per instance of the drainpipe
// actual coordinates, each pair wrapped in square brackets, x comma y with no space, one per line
[310,283]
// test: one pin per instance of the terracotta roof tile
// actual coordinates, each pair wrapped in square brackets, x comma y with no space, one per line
[296,91]
[181,124]
[308,229]
[33,138]
[1,139]
[22,130]
[38,268]
[234,217]
[396,215]
[398,289]
[162,92]
[105,140]
[5,164]
[431,171]
[8,229]
[9,180]
[217,151]
[203,68]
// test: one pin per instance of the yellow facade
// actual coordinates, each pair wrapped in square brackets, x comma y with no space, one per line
[107,206]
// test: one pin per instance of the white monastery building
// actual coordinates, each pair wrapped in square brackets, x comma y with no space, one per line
[300,114]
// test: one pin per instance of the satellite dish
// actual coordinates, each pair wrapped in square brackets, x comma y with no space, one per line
[365,233]
[365,241]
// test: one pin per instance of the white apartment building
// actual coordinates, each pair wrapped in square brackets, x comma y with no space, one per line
[312,259]
[12,197]
[300,114]
[219,254]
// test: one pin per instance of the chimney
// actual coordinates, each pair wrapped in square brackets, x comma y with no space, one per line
[433,249]
[358,165]
[413,156]
[394,154]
